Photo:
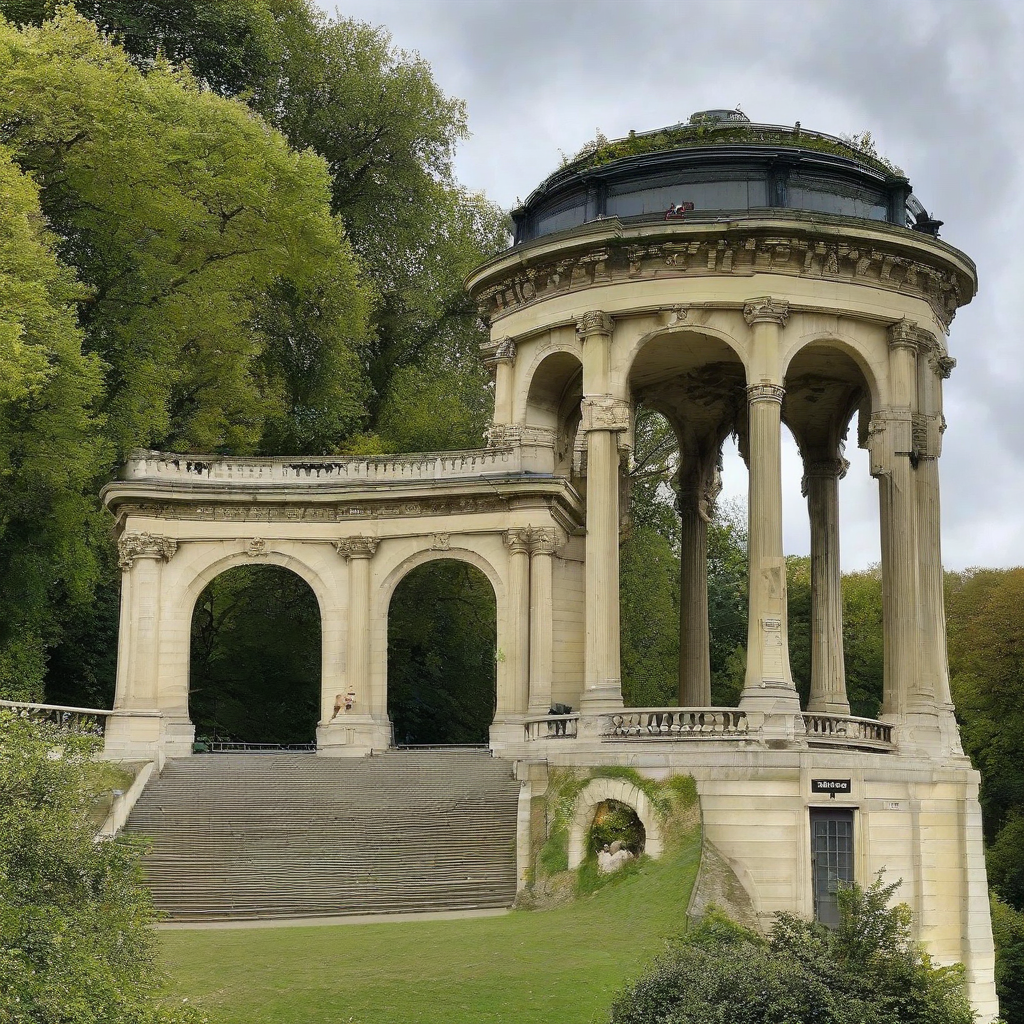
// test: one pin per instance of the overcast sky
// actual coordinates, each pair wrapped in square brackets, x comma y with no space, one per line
[940,85]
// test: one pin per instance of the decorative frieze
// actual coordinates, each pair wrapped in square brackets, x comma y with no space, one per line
[766,310]
[144,545]
[356,547]
[879,263]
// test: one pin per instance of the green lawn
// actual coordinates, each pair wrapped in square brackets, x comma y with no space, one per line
[558,966]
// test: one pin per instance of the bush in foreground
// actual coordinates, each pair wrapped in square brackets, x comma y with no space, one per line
[868,970]
[75,942]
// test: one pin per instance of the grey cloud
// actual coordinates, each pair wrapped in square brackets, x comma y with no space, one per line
[939,83]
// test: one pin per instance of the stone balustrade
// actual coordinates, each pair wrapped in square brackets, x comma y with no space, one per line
[676,724]
[552,727]
[88,720]
[847,731]
[499,460]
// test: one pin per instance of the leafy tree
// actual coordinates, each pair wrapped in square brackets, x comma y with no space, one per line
[727,602]
[76,946]
[867,969]
[50,445]
[1008,931]
[862,640]
[442,635]
[181,211]
[255,657]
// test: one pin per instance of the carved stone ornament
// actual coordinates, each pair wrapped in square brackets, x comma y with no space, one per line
[440,542]
[533,540]
[519,433]
[506,351]
[766,310]
[944,366]
[256,548]
[518,540]
[765,393]
[356,547]
[677,315]
[144,545]
[604,413]
[594,322]
[904,334]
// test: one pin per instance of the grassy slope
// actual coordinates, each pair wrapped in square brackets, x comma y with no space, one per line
[529,967]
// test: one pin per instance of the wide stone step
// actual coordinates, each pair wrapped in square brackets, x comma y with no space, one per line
[291,835]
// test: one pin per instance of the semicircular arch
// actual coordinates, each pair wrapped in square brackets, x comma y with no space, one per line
[596,792]
[425,555]
[570,349]
[692,356]
[850,346]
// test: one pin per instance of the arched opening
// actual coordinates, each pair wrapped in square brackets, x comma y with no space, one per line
[616,827]
[255,658]
[442,644]
[683,577]
[553,403]
[835,616]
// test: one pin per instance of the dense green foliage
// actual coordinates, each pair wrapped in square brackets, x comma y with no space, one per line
[270,246]
[75,941]
[255,658]
[441,655]
[868,969]
[1008,931]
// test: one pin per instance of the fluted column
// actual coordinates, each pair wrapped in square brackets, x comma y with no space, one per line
[891,443]
[358,552]
[694,502]
[769,682]
[828,673]
[604,418]
[517,659]
[542,549]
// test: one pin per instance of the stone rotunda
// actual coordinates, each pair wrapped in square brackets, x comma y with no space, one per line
[735,278]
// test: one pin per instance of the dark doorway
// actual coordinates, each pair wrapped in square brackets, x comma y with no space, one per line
[442,639]
[831,858]
[254,674]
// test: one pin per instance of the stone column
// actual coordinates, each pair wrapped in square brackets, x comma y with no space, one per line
[358,552]
[517,659]
[769,682]
[140,556]
[890,441]
[828,673]
[604,418]
[694,503]
[504,360]
[542,549]
[130,734]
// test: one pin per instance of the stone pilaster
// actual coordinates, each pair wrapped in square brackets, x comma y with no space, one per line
[604,418]
[517,659]
[769,681]
[358,552]
[828,673]
[542,548]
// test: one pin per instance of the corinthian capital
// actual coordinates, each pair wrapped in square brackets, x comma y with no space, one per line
[356,547]
[594,322]
[766,310]
[506,351]
[144,545]
[904,334]
[518,540]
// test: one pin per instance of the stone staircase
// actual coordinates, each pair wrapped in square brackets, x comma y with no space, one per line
[296,835]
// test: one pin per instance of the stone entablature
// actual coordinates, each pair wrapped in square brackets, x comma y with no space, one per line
[802,246]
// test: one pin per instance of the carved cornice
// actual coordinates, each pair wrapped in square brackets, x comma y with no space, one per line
[765,393]
[593,323]
[602,412]
[144,545]
[766,310]
[883,262]
[356,547]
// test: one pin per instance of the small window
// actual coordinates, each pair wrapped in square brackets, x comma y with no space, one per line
[832,859]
